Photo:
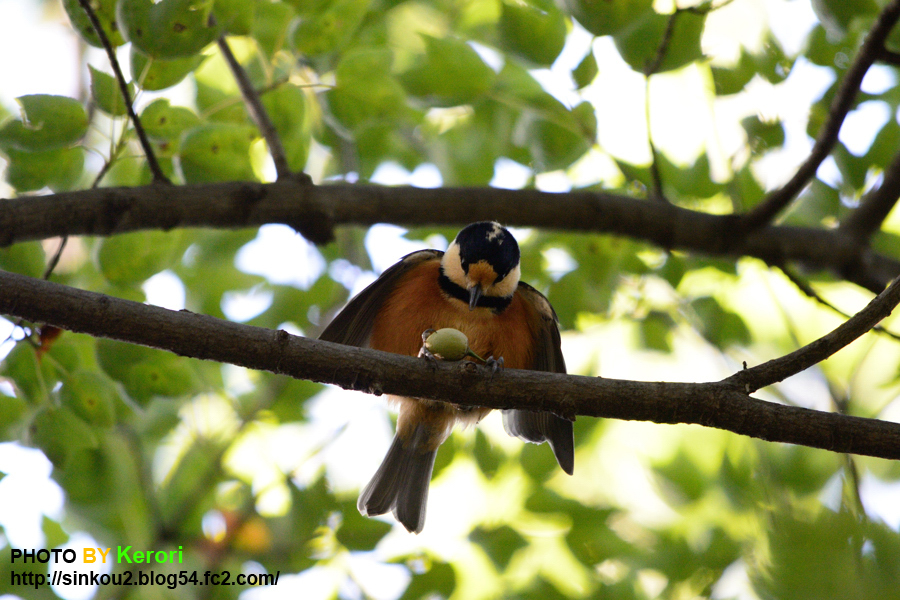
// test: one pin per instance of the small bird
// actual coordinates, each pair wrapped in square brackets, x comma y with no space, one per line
[473,287]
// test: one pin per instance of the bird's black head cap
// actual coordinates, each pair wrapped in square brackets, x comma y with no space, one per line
[490,242]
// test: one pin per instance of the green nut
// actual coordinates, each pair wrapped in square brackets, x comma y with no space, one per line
[448,344]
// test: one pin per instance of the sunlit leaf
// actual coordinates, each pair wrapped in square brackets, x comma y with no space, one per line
[106,93]
[217,152]
[106,14]
[48,123]
[169,28]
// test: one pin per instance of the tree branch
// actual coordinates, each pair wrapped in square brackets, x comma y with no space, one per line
[721,405]
[313,210]
[158,175]
[874,208]
[257,111]
[815,352]
[871,50]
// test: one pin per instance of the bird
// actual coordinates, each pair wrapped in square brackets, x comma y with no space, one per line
[474,287]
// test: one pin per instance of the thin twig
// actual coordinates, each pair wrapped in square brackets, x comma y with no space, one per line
[871,50]
[54,260]
[158,175]
[781,368]
[874,208]
[257,111]
[807,289]
[656,189]
[654,65]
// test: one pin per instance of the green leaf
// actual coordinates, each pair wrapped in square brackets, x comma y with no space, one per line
[90,396]
[822,556]
[532,33]
[450,73]
[132,258]
[817,203]
[837,15]
[33,378]
[106,93]
[554,146]
[656,331]
[365,90]
[59,169]
[359,533]
[500,544]
[165,123]
[731,80]
[60,434]
[47,123]
[439,579]
[538,461]
[162,375]
[721,327]
[12,412]
[154,74]
[330,28]
[763,136]
[684,476]
[287,107]
[639,45]
[608,17]
[168,28]
[271,24]
[26,259]
[586,70]
[488,458]
[235,16]
[217,152]
[106,14]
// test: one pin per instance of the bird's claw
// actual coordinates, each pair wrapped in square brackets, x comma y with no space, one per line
[425,353]
[495,364]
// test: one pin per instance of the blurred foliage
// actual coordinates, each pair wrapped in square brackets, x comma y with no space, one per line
[238,468]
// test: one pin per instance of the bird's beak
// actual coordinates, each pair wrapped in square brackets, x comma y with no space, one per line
[475,293]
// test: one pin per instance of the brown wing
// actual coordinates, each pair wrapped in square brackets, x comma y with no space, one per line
[353,325]
[537,427]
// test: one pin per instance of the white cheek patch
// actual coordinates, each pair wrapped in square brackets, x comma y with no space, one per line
[453,266]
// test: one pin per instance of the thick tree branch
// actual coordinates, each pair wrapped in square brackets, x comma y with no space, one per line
[874,208]
[312,210]
[158,175]
[721,405]
[871,50]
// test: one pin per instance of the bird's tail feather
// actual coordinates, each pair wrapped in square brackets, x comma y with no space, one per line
[401,482]
[538,427]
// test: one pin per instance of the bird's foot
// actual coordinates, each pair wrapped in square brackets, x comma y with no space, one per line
[495,364]
[425,353]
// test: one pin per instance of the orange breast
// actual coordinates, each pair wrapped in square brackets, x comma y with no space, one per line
[417,304]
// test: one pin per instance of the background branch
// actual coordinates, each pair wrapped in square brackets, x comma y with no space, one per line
[721,405]
[871,50]
[313,210]
[874,208]
[257,111]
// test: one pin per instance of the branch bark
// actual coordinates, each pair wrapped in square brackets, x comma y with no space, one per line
[314,210]
[721,405]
